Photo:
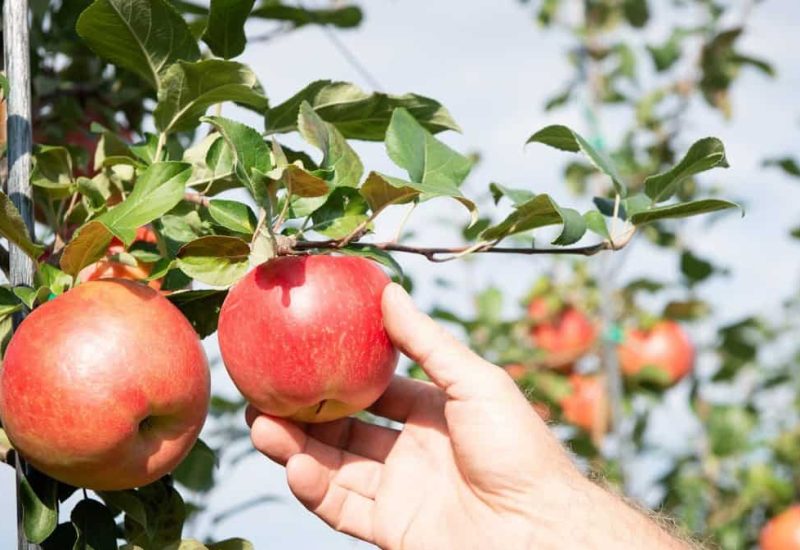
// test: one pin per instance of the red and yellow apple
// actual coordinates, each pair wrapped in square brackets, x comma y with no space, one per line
[105,386]
[108,267]
[782,532]
[303,337]
[586,406]
[664,350]
[565,335]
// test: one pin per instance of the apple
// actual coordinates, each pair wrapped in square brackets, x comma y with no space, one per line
[302,337]
[782,532]
[565,335]
[107,267]
[663,353]
[586,406]
[105,387]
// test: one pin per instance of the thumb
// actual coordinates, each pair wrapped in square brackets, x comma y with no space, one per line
[450,364]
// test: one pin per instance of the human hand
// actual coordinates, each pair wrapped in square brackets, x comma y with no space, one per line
[472,467]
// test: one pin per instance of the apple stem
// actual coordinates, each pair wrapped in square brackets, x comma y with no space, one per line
[319,407]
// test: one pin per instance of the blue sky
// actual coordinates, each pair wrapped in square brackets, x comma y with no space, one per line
[491,66]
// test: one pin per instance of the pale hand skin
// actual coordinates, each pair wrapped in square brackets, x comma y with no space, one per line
[472,467]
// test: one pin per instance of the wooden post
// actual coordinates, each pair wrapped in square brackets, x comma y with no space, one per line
[16,43]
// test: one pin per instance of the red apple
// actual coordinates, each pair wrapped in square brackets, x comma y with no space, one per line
[105,386]
[782,532]
[303,337]
[665,349]
[586,407]
[564,335]
[108,268]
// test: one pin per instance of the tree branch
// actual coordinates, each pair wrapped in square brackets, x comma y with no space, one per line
[433,253]
[196,198]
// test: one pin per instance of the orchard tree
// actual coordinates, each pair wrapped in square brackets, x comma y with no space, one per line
[159,208]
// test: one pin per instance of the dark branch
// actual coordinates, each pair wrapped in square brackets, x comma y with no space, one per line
[4,260]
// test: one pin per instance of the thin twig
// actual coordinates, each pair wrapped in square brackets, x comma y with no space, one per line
[196,198]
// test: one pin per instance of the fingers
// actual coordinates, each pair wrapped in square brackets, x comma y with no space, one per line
[451,365]
[404,395]
[344,510]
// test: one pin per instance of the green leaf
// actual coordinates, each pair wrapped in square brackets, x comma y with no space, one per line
[64,537]
[52,168]
[9,301]
[695,269]
[344,17]
[215,260]
[426,159]
[142,36]
[343,211]
[225,31]
[681,210]
[381,191]
[232,544]
[158,189]
[201,308]
[356,113]
[128,502]
[337,153]
[52,278]
[196,471]
[376,254]
[213,165]
[787,164]
[596,223]
[703,155]
[39,498]
[251,153]
[565,139]
[540,211]
[516,196]
[12,227]
[233,215]
[189,89]
[88,245]
[95,524]
[166,513]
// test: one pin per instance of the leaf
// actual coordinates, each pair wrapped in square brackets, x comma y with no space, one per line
[52,278]
[517,196]
[9,301]
[65,536]
[88,245]
[95,524]
[189,89]
[166,513]
[337,153]
[12,227]
[225,31]
[128,502]
[158,189]
[787,164]
[381,191]
[355,113]
[681,210]
[343,211]
[565,139]
[596,223]
[142,36]
[344,17]
[201,308]
[251,153]
[213,165]
[232,544]
[52,168]
[233,215]
[540,211]
[695,269]
[196,471]
[39,497]
[376,254]
[215,260]
[302,183]
[426,159]
[702,155]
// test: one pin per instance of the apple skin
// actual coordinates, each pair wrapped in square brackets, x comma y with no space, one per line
[107,268]
[666,346]
[586,407]
[302,337]
[565,335]
[105,387]
[782,532]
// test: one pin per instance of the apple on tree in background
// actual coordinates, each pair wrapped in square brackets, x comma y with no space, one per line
[563,332]
[303,337]
[782,532]
[662,354]
[112,267]
[587,405]
[105,387]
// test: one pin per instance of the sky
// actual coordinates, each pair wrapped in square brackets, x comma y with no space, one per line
[494,69]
